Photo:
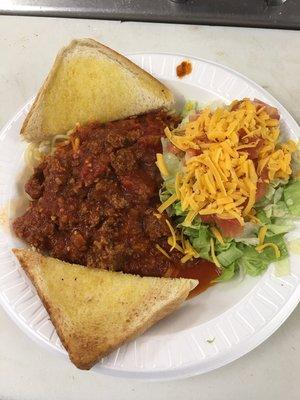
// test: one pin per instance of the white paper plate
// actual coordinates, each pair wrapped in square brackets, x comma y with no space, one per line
[209,331]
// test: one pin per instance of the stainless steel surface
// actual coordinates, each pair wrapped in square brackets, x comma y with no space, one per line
[275,2]
[256,13]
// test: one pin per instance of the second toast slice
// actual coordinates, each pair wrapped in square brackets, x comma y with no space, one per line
[95,311]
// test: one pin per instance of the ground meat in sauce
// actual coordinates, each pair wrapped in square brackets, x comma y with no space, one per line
[94,199]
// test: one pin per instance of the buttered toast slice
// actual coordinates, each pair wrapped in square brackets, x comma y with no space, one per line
[90,82]
[95,311]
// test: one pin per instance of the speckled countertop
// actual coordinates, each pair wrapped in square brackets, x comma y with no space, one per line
[269,57]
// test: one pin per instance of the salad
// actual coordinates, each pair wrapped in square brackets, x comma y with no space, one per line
[230,187]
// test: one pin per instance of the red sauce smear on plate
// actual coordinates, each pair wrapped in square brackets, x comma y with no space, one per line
[183,69]
[204,271]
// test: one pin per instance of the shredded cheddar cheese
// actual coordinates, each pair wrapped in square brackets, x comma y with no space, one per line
[167,203]
[177,246]
[160,162]
[261,248]
[213,256]
[189,251]
[157,215]
[159,248]
[235,150]
[217,234]
[186,249]
[186,258]
[189,248]
[262,234]
[190,217]
[173,234]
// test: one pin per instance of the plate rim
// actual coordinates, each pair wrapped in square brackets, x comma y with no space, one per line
[201,366]
[222,66]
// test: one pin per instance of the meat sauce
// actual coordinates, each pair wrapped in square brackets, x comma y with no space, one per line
[94,202]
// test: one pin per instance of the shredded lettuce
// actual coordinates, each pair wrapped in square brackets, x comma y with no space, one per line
[199,237]
[249,235]
[261,215]
[223,247]
[240,251]
[202,248]
[267,197]
[278,195]
[253,265]
[230,255]
[280,226]
[189,107]
[275,211]
[256,263]
[227,273]
[164,194]
[272,204]
[291,196]
[173,163]
[294,246]
[282,267]
[279,210]
[269,254]
[279,182]
[252,262]
[178,210]
[195,229]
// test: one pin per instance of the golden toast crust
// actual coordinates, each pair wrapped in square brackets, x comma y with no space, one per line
[89,329]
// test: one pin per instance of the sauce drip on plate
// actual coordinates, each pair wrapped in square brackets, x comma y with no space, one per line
[204,271]
[183,69]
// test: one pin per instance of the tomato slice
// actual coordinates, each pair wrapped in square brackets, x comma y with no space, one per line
[242,133]
[261,190]
[272,111]
[208,219]
[262,185]
[229,227]
[173,149]
[237,105]
[253,152]
[194,117]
